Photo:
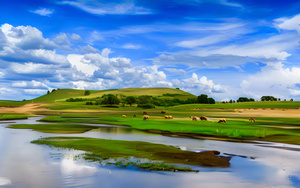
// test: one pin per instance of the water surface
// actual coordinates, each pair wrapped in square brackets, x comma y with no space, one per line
[23,164]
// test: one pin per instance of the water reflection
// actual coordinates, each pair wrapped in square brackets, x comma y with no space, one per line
[28,165]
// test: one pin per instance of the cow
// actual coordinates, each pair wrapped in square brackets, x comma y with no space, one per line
[222,121]
[203,118]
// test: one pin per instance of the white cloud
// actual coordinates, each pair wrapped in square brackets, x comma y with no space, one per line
[30,85]
[82,64]
[35,91]
[43,11]
[26,43]
[75,37]
[89,49]
[62,40]
[288,23]
[32,68]
[175,71]
[202,41]
[198,85]
[98,8]
[272,49]
[273,80]
[131,46]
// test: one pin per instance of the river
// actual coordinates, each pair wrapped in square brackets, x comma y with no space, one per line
[23,164]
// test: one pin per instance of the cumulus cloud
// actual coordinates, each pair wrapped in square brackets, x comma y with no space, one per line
[273,79]
[198,85]
[43,11]
[75,37]
[88,49]
[26,43]
[288,23]
[30,85]
[62,40]
[98,8]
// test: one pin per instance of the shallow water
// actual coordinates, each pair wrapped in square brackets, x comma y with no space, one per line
[23,164]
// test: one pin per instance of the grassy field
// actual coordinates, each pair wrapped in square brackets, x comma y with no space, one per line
[13,103]
[54,128]
[12,116]
[241,105]
[266,129]
[105,149]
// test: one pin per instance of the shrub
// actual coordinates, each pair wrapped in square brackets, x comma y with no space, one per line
[147,106]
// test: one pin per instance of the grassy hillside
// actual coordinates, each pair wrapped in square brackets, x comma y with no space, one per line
[63,94]
[175,93]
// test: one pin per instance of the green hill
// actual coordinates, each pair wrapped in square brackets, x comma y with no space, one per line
[63,94]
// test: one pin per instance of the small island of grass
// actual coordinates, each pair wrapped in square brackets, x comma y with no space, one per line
[105,149]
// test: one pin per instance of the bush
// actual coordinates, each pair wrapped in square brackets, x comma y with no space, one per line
[147,106]
[87,92]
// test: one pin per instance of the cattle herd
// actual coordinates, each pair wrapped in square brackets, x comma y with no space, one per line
[194,118]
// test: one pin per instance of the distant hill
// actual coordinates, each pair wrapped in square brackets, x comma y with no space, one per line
[63,94]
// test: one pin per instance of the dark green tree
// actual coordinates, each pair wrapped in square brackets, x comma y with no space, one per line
[87,92]
[211,101]
[203,99]
[110,99]
[130,100]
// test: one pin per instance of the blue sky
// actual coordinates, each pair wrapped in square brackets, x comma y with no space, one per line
[223,48]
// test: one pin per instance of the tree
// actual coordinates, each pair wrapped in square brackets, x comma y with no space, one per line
[130,100]
[53,90]
[211,101]
[87,92]
[143,99]
[203,99]
[48,92]
[292,100]
[268,98]
[110,99]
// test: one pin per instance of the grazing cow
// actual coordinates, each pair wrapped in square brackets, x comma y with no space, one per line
[134,115]
[195,118]
[222,121]
[163,112]
[203,118]
[168,117]
[145,117]
[252,120]
[123,116]
[145,113]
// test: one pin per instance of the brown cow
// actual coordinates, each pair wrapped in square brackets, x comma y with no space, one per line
[123,116]
[145,113]
[203,118]
[195,118]
[145,117]
[222,121]
[252,120]
[163,112]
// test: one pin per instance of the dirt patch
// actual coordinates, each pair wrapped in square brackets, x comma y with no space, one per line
[30,109]
[268,112]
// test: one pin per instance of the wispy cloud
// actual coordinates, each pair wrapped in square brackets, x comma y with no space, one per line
[43,11]
[131,46]
[97,8]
